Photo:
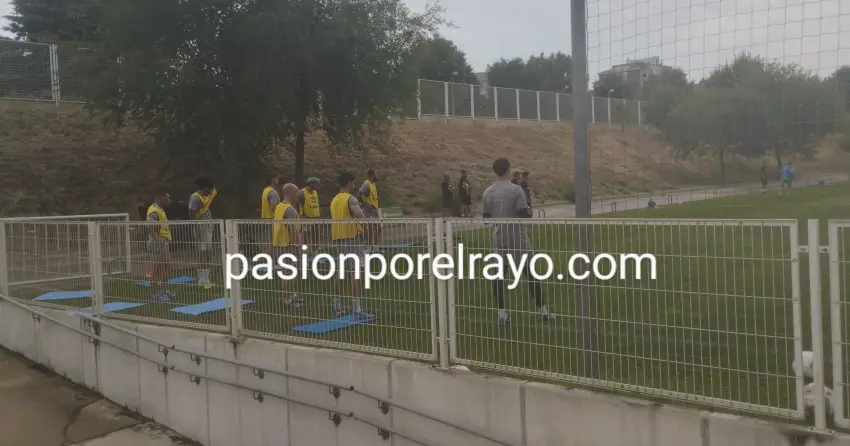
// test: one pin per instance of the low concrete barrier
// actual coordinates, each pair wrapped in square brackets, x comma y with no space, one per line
[181,392]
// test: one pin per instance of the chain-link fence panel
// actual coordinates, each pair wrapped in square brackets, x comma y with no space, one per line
[485,106]
[528,105]
[565,107]
[548,106]
[25,71]
[432,98]
[71,72]
[460,100]
[506,103]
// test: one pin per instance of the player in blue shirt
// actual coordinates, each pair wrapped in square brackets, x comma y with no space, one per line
[786,176]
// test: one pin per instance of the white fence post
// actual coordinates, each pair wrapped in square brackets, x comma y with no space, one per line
[54,74]
[231,245]
[4,262]
[446,98]
[95,266]
[838,372]
[451,310]
[517,104]
[558,107]
[609,110]
[817,323]
[496,103]
[472,101]
[419,99]
[593,110]
[442,336]
[640,118]
[538,106]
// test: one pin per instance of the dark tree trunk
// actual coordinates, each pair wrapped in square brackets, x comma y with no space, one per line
[722,166]
[778,157]
[300,134]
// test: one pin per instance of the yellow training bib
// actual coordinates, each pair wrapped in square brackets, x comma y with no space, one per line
[164,230]
[311,203]
[340,211]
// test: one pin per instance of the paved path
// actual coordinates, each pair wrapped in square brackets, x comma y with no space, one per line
[38,408]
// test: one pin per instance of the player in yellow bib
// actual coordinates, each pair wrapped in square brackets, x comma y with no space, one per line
[368,194]
[308,207]
[268,203]
[286,238]
[159,238]
[346,238]
[199,209]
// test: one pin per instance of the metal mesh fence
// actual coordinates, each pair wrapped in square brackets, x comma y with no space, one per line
[718,325]
[506,103]
[432,98]
[25,71]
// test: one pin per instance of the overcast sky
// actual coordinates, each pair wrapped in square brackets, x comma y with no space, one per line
[695,35]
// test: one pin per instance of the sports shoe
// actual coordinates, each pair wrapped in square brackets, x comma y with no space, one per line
[293,302]
[164,297]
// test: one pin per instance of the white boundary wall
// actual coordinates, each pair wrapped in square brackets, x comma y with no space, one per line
[218,414]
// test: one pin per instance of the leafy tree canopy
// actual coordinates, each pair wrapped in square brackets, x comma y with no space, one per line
[540,72]
[221,81]
[55,20]
[439,58]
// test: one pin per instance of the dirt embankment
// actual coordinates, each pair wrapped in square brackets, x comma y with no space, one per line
[69,163]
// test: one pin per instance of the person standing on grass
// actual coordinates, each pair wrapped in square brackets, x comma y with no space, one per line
[368,194]
[517,178]
[346,236]
[199,209]
[268,203]
[159,238]
[786,176]
[763,176]
[503,199]
[465,195]
[448,196]
[286,238]
[308,204]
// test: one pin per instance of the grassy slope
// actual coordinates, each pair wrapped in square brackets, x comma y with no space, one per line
[67,163]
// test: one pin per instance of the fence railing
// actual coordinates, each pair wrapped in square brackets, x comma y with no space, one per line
[40,72]
[721,324]
[454,100]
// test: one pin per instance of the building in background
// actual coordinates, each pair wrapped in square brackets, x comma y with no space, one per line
[483,84]
[635,72]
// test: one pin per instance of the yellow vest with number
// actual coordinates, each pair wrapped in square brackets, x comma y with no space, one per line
[311,203]
[206,201]
[281,237]
[164,231]
[340,211]
[266,209]
[372,199]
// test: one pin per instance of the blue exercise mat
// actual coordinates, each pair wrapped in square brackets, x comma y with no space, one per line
[111,307]
[206,307]
[336,324]
[62,295]
[174,281]
[399,246]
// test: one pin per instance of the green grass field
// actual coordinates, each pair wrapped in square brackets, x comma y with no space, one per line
[716,323]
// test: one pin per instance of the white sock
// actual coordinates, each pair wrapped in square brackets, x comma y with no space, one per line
[503,314]
[357,307]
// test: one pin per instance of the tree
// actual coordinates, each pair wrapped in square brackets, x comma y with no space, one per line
[220,82]
[438,58]
[542,73]
[613,86]
[662,93]
[55,20]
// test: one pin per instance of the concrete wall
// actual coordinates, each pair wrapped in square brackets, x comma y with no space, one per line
[218,414]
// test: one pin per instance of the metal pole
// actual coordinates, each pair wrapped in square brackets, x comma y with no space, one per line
[419,99]
[817,323]
[581,179]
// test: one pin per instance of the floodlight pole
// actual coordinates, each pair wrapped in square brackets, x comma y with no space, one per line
[581,183]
